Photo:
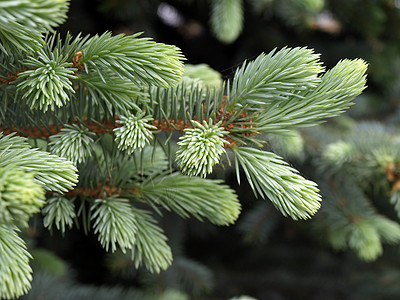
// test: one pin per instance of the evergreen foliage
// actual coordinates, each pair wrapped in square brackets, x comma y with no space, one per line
[226,19]
[270,176]
[39,16]
[21,196]
[200,148]
[357,172]
[73,142]
[135,132]
[109,108]
[364,164]
[60,212]
[15,272]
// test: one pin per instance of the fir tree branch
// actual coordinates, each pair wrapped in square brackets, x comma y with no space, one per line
[15,272]
[114,94]
[338,87]
[202,198]
[194,99]
[20,196]
[53,172]
[276,77]
[191,275]
[365,240]
[226,19]
[200,148]
[41,15]
[114,223]
[60,212]
[151,248]
[257,224]
[73,142]
[202,74]
[352,222]
[48,83]
[135,132]
[140,59]
[22,23]
[271,177]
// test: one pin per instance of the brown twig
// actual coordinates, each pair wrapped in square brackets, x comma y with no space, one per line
[393,175]
[100,192]
[45,132]
[107,127]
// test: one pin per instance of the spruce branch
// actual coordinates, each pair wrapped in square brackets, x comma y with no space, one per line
[369,152]
[352,222]
[13,37]
[115,223]
[173,107]
[67,47]
[276,77]
[365,240]
[48,84]
[200,148]
[20,196]
[113,93]
[299,12]
[135,132]
[367,235]
[141,60]
[226,19]
[333,95]
[202,198]
[153,161]
[271,177]
[41,15]
[53,172]
[289,145]
[83,90]
[22,23]
[202,74]
[339,153]
[59,211]
[15,272]
[151,248]
[74,142]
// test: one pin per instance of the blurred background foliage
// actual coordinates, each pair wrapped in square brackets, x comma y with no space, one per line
[264,255]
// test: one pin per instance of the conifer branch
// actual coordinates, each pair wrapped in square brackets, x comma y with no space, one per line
[104,103]
[338,87]
[53,172]
[202,198]
[37,15]
[226,19]
[20,196]
[114,94]
[115,223]
[151,248]
[276,77]
[200,148]
[60,212]
[269,176]
[75,143]
[48,83]
[259,223]
[352,222]
[140,59]
[135,132]
[15,272]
